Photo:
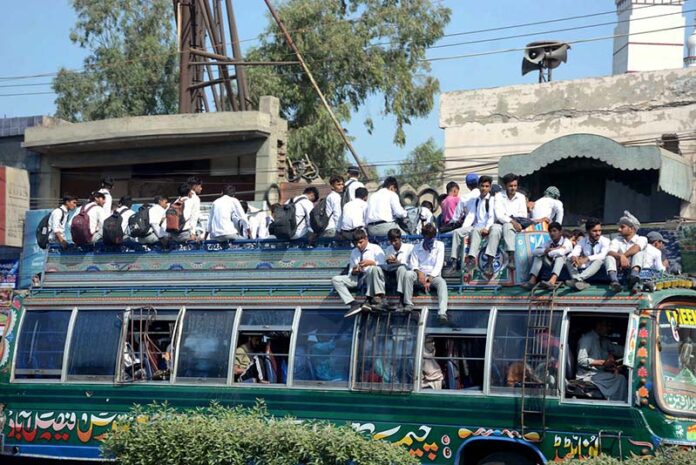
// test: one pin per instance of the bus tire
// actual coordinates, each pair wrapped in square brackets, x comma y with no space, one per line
[505,458]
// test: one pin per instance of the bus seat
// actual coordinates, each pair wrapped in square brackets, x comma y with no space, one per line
[575,388]
[284,371]
[451,375]
[271,376]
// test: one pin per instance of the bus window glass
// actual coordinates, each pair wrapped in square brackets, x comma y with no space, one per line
[386,351]
[677,359]
[322,353]
[204,350]
[94,344]
[262,318]
[148,348]
[41,344]
[453,355]
[507,363]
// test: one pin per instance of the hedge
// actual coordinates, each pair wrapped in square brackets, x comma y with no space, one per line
[217,435]
[666,457]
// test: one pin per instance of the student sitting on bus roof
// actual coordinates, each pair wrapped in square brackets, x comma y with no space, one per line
[425,215]
[352,184]
[124,210]
[187,232]
[304,204]
[511,216]
[653,258]
[258,221]
[156,219]
[353,215]
[95,212]
[472,182]
[598,362]
[194,205]
[449,204]
[575,236]
[365,264]
[548,208]
[587,256]
[477,225]
[551,253]
[384,208]
[107,182]
[432,373]
[226,214]
[333,206]
[59,219]
[425,271]
[398,257]
[626,252]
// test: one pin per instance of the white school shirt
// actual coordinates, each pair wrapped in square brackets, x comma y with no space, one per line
[157,222]
[460,210]
[652,258]
[384,205]
[223,213]
[596,251]
[479,216]
[125,216]
[546,207]
[621,245]
[333,209]
[57,222]
[403,256]
[351,185]
[96,217]
[428,262]
[371,252]
[425,216]
[506,207]
[354,215]
[108,202]
[565,244]
[192,212]
[303,207]
[258,223]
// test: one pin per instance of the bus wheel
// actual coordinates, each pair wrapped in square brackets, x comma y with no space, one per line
[505,458]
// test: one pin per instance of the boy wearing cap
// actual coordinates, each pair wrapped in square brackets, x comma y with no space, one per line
[352,184]
[626,252]
[653,258]
[107,182]
[548,208]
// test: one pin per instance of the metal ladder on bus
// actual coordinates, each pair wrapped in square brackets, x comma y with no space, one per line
[537,353]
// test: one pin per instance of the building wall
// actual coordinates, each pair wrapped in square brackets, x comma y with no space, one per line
[484,124]
[11,151]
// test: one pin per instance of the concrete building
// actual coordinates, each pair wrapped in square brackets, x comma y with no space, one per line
[649,35]
[690,60]
[655,108]
[148,155]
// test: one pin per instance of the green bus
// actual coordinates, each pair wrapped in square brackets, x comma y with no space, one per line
[108,330]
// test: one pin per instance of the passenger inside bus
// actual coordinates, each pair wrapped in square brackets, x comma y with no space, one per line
[432,373]
[255,360]
[460,359]
[147,354]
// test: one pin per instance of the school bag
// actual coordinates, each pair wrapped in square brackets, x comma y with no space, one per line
[112,229]
[284,223]
[345,198]
[43,229]
[139,224]
[318,218]
[410,222]
[174,217]
[79,229]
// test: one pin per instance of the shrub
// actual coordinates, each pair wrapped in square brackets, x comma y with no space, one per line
[666,457]
[217,435]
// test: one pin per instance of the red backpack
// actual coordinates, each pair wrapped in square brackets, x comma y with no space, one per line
[174,217]
[79,229]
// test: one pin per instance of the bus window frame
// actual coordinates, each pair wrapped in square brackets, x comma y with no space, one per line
[68,337]
[565,327]
[449,331]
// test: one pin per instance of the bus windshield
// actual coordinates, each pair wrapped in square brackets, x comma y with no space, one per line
[676,367]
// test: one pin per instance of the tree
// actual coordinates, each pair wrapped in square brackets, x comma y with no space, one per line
[355,49]
[132,68]
[424,165]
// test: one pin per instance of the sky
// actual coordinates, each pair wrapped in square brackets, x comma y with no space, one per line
[35,34]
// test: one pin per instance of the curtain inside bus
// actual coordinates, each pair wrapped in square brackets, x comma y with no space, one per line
[677,359]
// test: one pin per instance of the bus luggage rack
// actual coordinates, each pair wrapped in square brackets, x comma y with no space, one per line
[386,347]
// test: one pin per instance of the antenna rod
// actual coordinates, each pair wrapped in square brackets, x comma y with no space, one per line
[316,86]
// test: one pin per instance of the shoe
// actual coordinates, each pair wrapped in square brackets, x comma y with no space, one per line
[451,271]
[632,281]
[547,285]
[581,285]
[377,304]
[570,283]
[442,320]
[355,308]
[527,286]
[408,308]
[615,286]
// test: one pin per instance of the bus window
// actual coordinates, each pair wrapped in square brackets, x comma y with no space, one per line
[94,344]
[677,360]
[263,346]
[508,365]
[453,355]
[147,349]
[204,350]
[593,357]
[386,351]
[322,352]
[41,344]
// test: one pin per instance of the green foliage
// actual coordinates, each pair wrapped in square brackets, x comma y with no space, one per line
[424,165]
[666,457]
[132,68]
[220,435]
[355,49]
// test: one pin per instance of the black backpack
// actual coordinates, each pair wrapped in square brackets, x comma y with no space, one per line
[284,223]
[318,218]
[43,229]
[112,229]
[345,198]
[139,224]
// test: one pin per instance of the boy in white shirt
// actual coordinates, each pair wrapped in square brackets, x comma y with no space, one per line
[654,259]
[384,208]
[97,215]
[158,228]
[588,256]
[226,214]
[548,208]
[107,183]
[124,209]
[353,215]
[303,207]
[397,256]
[553,253]
[365,264]
[194,205]
[626,252]
[510,216]
[59,219]
[333,206]
[351,185]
